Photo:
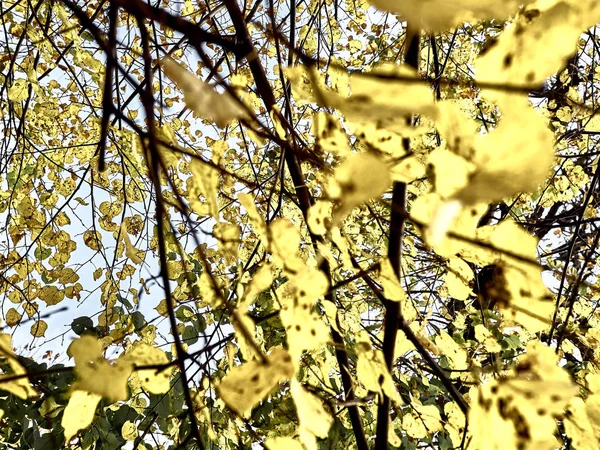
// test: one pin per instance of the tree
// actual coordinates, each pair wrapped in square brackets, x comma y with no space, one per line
[299,224]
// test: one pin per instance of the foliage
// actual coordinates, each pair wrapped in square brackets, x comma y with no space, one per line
[299,225]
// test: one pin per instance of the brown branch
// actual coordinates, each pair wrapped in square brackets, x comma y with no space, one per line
[107,101]
[393,314]
[392,308]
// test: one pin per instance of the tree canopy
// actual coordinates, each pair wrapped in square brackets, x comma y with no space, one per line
[307,224]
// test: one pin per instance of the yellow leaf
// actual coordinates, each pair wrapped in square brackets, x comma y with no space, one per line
[422,421]
[452,350]
[403,345]
[245,333]
[246,385]
[261,280]
[203,182]
[79,412]
[277,124]
[256,220]
[578,426]
[38,329]
[51,295]
[284,239]
[407,170]
[304,328]
[489,342]
[372,370]
[31,308]
[450,171]
[537,43]
[390,283]
[155,381]
[13,317]
[519,411]
[303,80]
[92,239]
[329,135]
[18,91]
[130,251]
[161,308]
[455,424]
[378,97]
[283,443]
[313,419]
[201,97]
[129,431]
[529,302]
[21,387]
[440,15]
[359,178]
[319,217]
[228,238]
[97,375]
[331,314]
[210,289]
[393,291]
[67,276]
[500,170]
[458,277]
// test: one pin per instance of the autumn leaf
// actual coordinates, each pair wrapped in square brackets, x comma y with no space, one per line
[439,15]
[373,372]
[155,381]
[95,374]
[519,410]
[79,412]
[246,385]
[220,108]
[132,253]
[19,387]
[313,419]
[516,58]
[38,329]
[18,91]
[259,258]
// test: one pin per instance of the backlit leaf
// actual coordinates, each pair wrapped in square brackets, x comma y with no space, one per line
[440,15]
[359,178]
[518,411]
[522,53]
[314,420]
[20,387]
[155,381]
[373,372]
[129,431]
[132,253]
[202,98]
[97,375]
[18,91]
[422,421]
[246,385]
[305,330]
[79,412]
[283,443]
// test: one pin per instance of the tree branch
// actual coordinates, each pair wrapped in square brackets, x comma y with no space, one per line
[393,314]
